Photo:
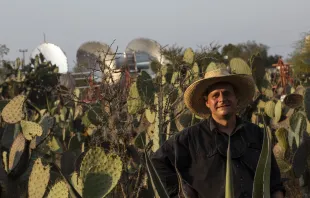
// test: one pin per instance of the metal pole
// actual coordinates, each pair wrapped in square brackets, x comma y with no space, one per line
[23,51]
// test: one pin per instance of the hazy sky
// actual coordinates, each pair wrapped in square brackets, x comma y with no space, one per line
[69,23]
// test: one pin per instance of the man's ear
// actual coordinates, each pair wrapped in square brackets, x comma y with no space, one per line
[206,102]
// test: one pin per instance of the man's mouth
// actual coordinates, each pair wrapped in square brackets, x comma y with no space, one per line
[222,106]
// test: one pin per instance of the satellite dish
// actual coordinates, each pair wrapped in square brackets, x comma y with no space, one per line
[90,53]
[148,46]
[54,54]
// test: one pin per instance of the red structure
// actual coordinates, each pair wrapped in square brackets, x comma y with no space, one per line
[284,70]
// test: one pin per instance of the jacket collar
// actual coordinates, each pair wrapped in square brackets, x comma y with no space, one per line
[212,124]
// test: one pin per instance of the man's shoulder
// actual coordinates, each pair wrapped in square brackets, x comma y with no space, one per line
[191,131]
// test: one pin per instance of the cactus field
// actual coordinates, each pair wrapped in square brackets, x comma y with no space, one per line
[56,145]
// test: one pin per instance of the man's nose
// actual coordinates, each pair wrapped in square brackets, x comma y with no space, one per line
[222,97]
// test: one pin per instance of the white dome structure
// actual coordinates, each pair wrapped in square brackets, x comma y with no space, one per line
[90,52]
[150,47]
[54,54]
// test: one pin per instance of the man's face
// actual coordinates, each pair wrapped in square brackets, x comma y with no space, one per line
[222,100]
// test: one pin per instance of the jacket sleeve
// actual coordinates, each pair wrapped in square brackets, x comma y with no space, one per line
[176,148]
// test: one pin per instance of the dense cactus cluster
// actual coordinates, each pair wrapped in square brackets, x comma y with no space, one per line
[55,145]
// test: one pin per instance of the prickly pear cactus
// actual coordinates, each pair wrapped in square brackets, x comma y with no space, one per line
[134,101]
[278,111]
[16,151]
[13,111]
[145,88]
[31,129]
[150,115]
[307,102]
[239,66]
[293,100]
[214,66]
[59,190]
[100,169]
[77,182]
[189,56]
[281,135]
[298,126]
[38,179]
[270,108]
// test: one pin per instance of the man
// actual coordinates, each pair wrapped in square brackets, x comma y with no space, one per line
[199,152]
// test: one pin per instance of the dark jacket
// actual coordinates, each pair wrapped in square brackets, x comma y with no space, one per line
[200,152]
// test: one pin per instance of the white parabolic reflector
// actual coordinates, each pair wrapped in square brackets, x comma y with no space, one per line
[148,46]
[90,52]
[54,54]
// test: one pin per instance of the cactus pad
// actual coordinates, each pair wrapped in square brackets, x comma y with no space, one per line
[278,111]
[97,167]
[150,115]
[270,108]
[213,66]
[307,102]
[175,78]
[46,123]
[17,150]
[261,104]
[59,190]
[54,144]
[77,183]
[192,74]
[258,69]
[31,129]
[145,87]
[283,165]
[239,66]
[13,111]
[38,179]
[93,157]
[96,115]
[98,183]
[152,134]
[268,93]
[134,102]
[293,100]
[189,56]
[5,160]
[282,135]
[298,125]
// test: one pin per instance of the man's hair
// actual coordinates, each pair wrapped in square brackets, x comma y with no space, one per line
[218,83]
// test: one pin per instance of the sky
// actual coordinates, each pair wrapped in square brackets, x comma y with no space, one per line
[70,23]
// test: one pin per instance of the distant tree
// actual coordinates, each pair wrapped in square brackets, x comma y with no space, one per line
[4,50]
[245,50]
[248,49]
[231,50]
[271,59]
[207,54]
[300,57]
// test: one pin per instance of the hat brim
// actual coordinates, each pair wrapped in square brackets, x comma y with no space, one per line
[243,84]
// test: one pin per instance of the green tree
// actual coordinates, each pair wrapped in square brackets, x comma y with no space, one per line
[300,57]
[4,50]
[245,50]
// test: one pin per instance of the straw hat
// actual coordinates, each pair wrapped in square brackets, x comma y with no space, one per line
[243,84]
